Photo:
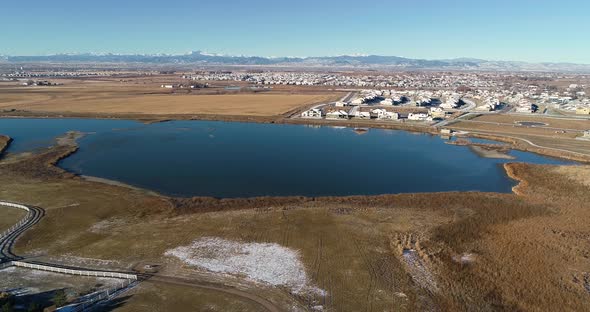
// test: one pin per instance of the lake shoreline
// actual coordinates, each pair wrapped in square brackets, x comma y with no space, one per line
[44,167]
[515,143]
[68,141]
[4,143]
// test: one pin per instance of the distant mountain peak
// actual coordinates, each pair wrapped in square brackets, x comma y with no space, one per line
[341,61]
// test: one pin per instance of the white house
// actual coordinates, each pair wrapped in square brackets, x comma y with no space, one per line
[423,101]
[312,113]
[437,112]
[419,117]
[339,104]
[339,114]
[526,108]
[357,102]
[386,102]
[361,115]
[486,107]
[450,103]
[380,113]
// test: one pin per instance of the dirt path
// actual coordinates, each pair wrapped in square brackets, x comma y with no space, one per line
[267,305]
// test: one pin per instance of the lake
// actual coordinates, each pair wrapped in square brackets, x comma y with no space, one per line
[223,159]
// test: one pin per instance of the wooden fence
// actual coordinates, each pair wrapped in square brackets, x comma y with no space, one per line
[21,222]
[77,272]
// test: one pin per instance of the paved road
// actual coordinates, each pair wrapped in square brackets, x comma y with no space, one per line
[349,96]
[7,242]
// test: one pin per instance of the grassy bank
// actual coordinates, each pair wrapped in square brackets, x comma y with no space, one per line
[4,142]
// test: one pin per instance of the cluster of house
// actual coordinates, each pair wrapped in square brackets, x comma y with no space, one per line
[21,73]
[354,112]
[194,85]
[385,97]
[406,80]
[377,113]
[528,98]
[27,82]
[486,90]
[488,104]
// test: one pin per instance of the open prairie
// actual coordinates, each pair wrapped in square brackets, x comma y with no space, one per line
[10,217]
[108,97]
[544,121]
[549,136]
[156,297]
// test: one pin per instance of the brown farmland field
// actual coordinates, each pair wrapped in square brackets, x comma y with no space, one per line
[96,98]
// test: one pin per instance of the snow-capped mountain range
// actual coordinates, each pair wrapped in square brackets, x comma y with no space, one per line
[342,61]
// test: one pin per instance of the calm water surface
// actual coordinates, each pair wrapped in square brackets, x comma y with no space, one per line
[204,158]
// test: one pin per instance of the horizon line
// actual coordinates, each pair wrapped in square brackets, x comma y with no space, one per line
[206,53]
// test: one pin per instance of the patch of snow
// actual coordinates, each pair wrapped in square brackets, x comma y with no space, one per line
[262,262]
[9,269]
[88,261]
[105,225]
[465,258]
[418,270]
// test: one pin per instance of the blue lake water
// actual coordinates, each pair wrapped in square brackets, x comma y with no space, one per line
[221,159]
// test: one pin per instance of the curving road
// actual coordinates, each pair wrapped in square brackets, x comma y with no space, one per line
[8,238]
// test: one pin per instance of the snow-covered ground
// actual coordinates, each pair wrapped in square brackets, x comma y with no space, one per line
[105,225]
[419,271]
[261,262]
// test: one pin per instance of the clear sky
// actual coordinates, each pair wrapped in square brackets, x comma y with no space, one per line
[526,30]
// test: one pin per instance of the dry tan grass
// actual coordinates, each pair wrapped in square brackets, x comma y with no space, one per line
[545,138]
[528,258]
[580,174]
[131,99]
[512,129]
[551,122]
[10,216]
[156,297]
[4,141]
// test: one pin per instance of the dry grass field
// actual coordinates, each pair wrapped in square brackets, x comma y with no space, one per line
[162,298]
[10,217]
[445,251]
[502,128]
[549,121]
[545,145]
[128,98]
[558,135]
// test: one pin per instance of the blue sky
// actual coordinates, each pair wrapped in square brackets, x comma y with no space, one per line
[526,30]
